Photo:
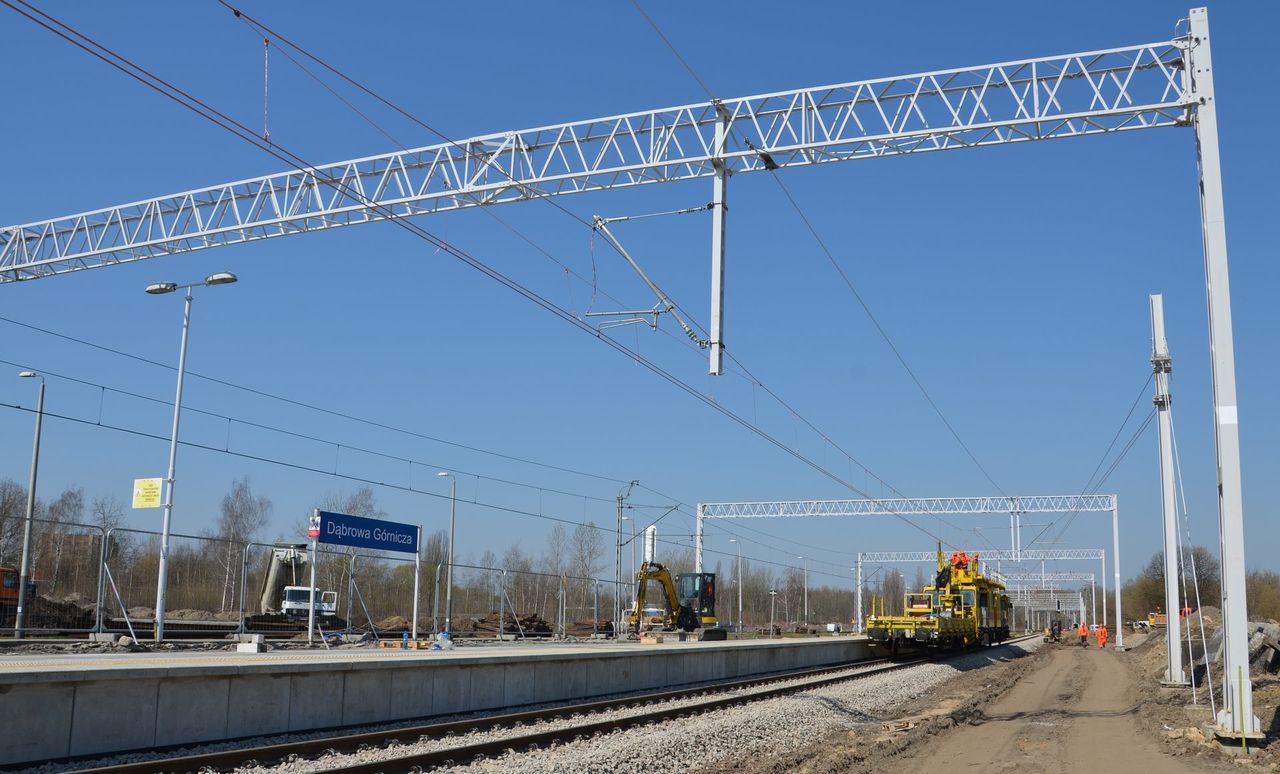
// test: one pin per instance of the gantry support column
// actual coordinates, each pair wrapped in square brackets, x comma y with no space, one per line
[1103,576]
[1115,562]
[719,212]
[1162,365]
[1093,596]
[1236,716]
[697,542]
[857,608]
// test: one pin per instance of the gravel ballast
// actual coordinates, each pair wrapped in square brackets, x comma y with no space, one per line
[758,729]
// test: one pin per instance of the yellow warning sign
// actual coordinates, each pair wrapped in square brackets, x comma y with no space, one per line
[146,492]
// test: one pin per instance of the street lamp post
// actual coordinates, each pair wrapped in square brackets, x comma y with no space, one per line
[448,584]
[24,573]
[738,576]
[773,598]
[162,288]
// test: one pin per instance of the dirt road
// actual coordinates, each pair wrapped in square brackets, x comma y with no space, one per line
[1077,710]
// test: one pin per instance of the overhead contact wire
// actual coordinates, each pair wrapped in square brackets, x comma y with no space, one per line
[176,94]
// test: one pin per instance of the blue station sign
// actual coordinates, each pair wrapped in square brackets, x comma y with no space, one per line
[344,530]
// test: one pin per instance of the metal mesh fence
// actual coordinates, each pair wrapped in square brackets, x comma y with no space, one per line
[90,579]
[528,604]
[356,591]
[204,583]
[64,579]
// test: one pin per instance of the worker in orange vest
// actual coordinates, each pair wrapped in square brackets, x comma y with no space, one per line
[1102,636]
[1083,631]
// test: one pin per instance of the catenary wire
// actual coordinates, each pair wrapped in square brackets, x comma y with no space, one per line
[1084,490]
[823,245]
[135,71]
[752,378]
[260,28]
[359,479]
[308,437]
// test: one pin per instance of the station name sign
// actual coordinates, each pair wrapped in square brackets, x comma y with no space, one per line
[345,530]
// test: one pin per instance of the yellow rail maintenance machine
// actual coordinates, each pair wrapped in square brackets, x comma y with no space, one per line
[962,608]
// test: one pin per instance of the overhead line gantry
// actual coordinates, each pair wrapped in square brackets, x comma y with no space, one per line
[1168,83]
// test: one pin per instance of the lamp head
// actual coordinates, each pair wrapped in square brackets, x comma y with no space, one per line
[221,278]
[160,288]
[27,374]
[444,473]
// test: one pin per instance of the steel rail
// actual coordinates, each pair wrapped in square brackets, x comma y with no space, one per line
[227,759]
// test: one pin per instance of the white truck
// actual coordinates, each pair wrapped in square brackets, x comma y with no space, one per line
[296,598]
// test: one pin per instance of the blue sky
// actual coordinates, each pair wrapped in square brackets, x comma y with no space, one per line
[1013,279]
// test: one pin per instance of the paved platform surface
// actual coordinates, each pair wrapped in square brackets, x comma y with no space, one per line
[50,667]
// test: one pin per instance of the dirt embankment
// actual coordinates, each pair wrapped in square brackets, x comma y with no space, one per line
[1176,715]
[1063,705]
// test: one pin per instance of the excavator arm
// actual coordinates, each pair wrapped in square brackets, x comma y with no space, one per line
[652,571]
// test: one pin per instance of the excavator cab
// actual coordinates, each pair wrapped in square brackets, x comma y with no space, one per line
[697,593]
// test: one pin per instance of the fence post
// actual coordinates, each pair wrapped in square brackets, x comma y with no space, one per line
[417,579]
[102,565]
[595,608]
[435,600]
[501,607]
[351,583]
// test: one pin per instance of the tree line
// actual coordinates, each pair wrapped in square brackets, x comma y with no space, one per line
[213,575]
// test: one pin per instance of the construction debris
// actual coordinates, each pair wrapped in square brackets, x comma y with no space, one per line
[527,625]
[586,627]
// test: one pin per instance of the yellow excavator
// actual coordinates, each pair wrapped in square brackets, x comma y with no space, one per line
[691,602]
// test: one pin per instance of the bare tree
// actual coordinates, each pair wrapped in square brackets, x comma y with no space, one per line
[53,537]
[241,517]
[585,552]
[893,590]
[106,513]
[13,510]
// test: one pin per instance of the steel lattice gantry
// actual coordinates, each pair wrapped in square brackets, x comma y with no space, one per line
[1162,84]
[1013,505]
[997,555]
[1021,585]
[1095,92]
[1034,600]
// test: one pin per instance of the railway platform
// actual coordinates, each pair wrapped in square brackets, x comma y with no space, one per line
[64,705]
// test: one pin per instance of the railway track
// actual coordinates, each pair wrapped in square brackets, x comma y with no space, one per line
[650,708]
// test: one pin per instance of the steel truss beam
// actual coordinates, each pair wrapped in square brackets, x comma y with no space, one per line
[1073,95]
[911,506]
[1047,577]
[995,555]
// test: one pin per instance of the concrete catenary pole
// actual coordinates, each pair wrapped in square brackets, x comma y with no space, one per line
[24,572]
[1162,366]
[1236,717]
